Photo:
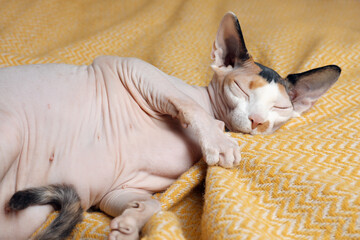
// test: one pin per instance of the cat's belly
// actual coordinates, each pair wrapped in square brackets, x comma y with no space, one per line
[150,158]
[156,157]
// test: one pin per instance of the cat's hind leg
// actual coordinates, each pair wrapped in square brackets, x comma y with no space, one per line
[61,197]
[22,224]
[131,209]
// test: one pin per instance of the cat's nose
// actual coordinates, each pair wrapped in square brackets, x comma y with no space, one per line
[256,120]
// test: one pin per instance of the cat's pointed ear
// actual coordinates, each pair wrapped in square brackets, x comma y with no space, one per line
[229,47]
[307,87]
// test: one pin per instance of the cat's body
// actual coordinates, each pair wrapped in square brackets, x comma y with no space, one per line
[116,132]
[120,129]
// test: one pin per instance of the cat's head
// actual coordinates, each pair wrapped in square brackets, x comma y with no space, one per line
[252,98]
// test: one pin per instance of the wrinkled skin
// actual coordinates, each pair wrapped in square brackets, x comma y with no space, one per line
[108,129]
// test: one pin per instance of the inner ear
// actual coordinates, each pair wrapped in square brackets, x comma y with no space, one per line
[229,47]
[307,87]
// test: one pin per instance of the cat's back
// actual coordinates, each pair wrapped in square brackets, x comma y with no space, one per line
[22,86]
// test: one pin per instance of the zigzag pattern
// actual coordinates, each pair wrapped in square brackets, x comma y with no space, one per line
[163,225]
[300,183]
[94,226]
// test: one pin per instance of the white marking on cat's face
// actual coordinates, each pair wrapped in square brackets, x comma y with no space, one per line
[256,106]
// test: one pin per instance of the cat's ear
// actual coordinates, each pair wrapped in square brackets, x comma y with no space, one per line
[229,47]
[307,87]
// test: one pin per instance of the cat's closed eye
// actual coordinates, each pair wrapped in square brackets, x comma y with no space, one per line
[283,107]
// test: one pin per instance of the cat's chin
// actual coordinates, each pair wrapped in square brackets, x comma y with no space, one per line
[246,131]
[237,130]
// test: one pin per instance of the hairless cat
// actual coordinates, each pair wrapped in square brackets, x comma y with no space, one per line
[113,133]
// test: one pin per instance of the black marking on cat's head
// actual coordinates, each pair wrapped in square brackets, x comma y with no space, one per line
[269,74]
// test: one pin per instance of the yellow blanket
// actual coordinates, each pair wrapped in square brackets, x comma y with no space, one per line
[303,182]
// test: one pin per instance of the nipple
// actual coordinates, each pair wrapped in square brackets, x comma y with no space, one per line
[51,157]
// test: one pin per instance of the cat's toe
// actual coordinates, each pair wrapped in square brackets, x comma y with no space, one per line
[227,158]
[237,155]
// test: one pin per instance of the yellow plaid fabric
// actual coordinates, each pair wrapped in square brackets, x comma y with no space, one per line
[303,182]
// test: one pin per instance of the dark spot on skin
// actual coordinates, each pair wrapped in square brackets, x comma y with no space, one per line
[7,209]
[51,157]
[48,106]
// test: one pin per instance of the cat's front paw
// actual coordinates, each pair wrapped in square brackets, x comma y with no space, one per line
[217,148]
[220,149]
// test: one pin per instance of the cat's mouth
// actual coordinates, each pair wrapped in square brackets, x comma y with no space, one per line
[243,132]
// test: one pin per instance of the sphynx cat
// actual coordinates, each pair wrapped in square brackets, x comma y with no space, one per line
[113,133]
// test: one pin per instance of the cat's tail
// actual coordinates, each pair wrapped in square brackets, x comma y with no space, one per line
[62,197]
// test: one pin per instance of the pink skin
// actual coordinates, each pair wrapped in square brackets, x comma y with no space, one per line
[109,129]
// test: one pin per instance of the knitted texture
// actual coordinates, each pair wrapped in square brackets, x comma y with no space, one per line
[302,182]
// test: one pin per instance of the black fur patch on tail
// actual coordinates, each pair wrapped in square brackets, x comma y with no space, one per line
[61,197]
